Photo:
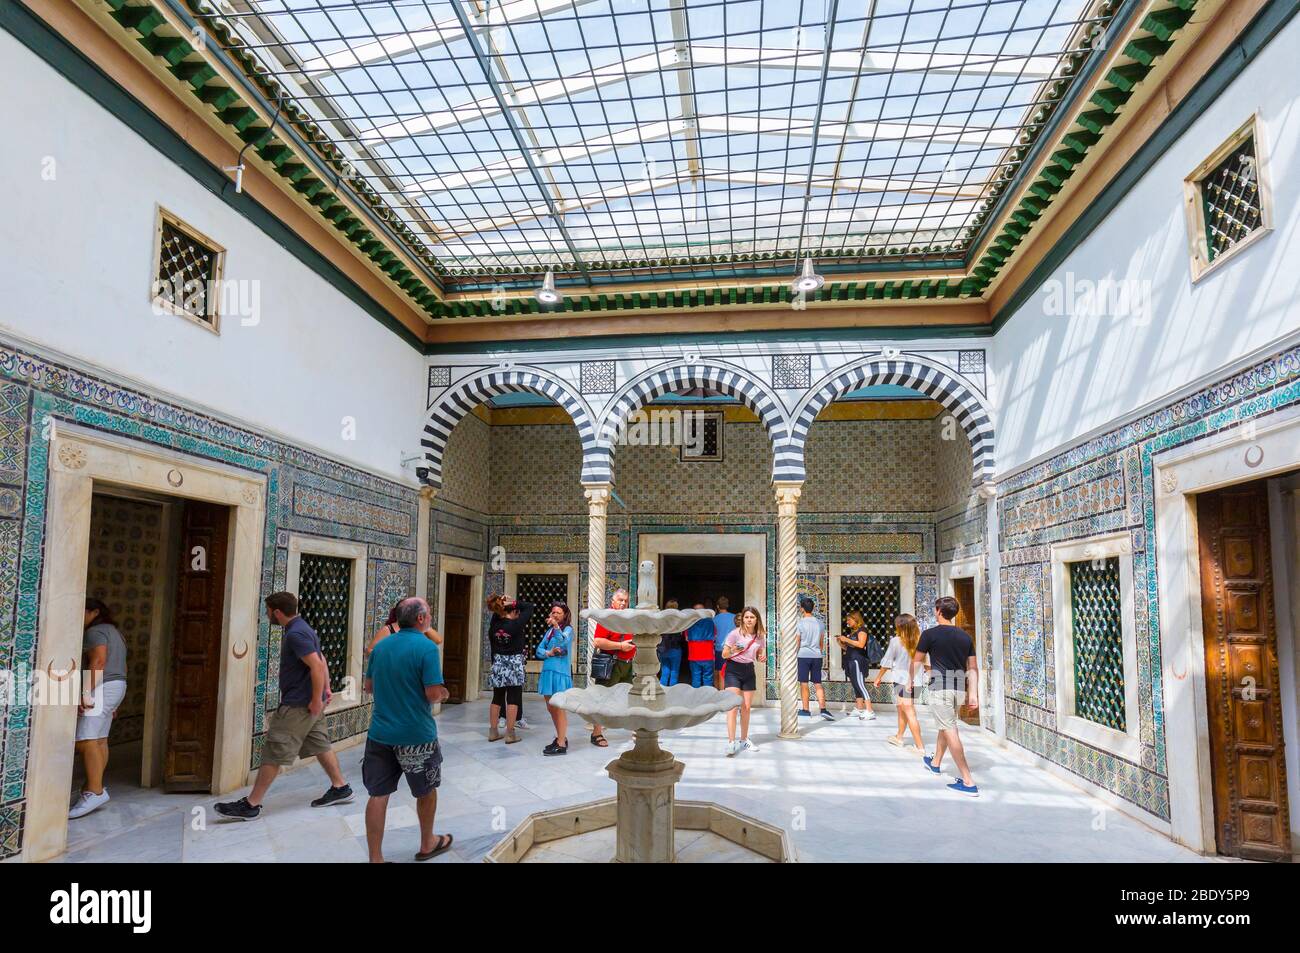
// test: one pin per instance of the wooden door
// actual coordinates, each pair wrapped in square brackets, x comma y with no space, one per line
[455,635]
[196,646]
[964,592]
[1241,673]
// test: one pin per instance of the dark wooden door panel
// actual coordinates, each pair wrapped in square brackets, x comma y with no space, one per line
[196,651]
[455,636]
[1241,673]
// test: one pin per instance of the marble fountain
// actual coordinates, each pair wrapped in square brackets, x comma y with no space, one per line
[645,816]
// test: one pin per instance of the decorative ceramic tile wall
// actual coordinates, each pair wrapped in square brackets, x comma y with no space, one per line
[1101,486]
[307,493]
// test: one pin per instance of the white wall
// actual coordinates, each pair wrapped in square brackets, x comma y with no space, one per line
[1060,377]
[75,268]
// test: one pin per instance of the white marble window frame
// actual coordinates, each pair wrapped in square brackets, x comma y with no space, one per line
[299,545]
[572,571]
[906,573]
[1125,744]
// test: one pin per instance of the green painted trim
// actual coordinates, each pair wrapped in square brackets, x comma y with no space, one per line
[1254,38]
[31,31]
[809,335]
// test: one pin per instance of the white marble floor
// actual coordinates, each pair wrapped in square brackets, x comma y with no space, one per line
[842,792]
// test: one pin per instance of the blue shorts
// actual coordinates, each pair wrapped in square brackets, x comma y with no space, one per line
[810,670]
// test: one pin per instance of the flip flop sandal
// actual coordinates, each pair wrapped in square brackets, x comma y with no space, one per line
[444,845]
[599,741]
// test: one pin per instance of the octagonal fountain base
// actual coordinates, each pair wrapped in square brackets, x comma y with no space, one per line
[585,832]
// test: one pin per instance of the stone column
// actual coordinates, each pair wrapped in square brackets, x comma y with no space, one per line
[787,592]
[597,495]
[423,543]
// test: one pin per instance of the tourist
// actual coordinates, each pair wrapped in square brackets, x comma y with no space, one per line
[811,633]
[102,691]
[557,673]
[405,677]
[856,664]
[895,668]
[744,646]
[620,669]
[700,651]
[297,727]
[671,646]
[390,626]
[953,682]
[723,622]
[506,678]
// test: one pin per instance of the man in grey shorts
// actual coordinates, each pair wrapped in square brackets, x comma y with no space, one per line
[954,681]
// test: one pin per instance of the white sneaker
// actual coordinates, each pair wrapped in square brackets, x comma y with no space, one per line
[748,745]
[520,723]
[867,715]
[732,748]
[88,803]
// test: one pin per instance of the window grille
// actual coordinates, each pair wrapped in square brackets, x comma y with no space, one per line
[324,602]
[1098,642]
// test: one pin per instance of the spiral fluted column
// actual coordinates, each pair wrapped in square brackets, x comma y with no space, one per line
[787,592]
[597,495]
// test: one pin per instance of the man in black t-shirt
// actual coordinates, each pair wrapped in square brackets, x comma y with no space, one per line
[954,683]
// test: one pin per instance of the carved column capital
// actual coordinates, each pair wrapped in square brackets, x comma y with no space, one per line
[787,497]
[428,493]
[597,495]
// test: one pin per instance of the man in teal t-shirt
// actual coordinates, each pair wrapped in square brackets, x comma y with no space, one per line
[405,677]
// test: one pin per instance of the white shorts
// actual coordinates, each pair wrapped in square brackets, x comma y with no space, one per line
[95,723]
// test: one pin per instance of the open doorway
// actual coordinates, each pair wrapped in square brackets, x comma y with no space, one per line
[692,579]
[702,579]
[158,566]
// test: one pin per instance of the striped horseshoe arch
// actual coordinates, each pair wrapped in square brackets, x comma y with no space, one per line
[452,407]
[932,381]
[787,462]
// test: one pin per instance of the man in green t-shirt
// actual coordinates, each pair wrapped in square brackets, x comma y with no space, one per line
[405,677]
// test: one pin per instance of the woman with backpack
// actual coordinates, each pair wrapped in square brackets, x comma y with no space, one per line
[506,679]
[857,663]
[745,645]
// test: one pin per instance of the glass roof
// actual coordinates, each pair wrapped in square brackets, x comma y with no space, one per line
[543,132]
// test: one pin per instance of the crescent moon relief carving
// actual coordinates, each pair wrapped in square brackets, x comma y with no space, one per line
[1254,456]
[62,676]
[238,654]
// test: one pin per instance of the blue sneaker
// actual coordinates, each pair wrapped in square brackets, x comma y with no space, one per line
[929,765]
[805,713]
[970,790]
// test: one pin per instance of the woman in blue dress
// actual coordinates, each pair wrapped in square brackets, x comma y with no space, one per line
[556,675]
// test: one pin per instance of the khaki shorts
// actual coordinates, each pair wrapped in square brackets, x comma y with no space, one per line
[294,733]
[945,706]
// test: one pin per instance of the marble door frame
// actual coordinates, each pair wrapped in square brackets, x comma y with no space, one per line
[79,461]
[1256,449]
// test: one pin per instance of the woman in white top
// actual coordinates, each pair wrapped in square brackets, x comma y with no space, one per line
[894,668]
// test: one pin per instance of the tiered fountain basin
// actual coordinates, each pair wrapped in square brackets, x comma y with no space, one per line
[645,816]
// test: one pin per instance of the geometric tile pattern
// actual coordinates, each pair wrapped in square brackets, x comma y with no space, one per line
[597,377]
[791,371]
[1098,641]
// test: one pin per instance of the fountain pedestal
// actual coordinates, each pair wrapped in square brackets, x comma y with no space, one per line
[646,777]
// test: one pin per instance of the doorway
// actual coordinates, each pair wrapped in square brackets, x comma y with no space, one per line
[692,579]
[748,551]
[963,591]
[455,635]
[1239,619]
[81,464]
[159,566]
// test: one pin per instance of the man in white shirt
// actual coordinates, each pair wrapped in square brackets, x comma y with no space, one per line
[811,633]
